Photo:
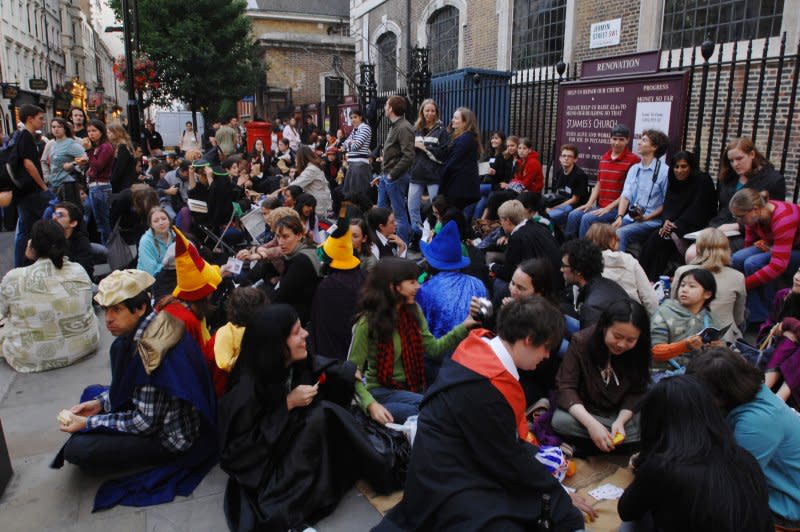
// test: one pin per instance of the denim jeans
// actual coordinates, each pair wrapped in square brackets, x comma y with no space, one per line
[414,202]
[634,231]
[748,261]
[100,204]
[400,403]
[30,209]
[476,211]
[587,219]
[392,193]
[558,215]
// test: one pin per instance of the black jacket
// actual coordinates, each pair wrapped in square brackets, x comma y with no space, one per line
[530,241]
[595,297]
[79,250]
[459,175]
[767,179]
[123,171]
[425,170]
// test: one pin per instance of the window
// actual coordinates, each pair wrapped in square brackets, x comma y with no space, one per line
[387,61]
[687,22]
[443,40]
[538,33]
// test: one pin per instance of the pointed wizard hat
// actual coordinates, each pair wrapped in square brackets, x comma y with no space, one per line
[196,278]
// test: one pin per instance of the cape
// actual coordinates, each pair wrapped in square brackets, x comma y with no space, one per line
[181,373]
[470,432]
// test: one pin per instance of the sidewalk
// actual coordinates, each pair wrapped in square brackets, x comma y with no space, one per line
[39,498]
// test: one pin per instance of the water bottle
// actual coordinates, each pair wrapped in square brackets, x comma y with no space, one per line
[665,284]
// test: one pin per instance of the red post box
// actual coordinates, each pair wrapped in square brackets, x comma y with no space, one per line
[259,130]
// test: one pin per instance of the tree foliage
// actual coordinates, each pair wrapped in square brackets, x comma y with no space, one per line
[204,50]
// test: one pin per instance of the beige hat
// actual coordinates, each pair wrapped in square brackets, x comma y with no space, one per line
[121,285]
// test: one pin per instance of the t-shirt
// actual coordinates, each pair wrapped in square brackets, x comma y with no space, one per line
[26,149]
[576,183]
[611,174]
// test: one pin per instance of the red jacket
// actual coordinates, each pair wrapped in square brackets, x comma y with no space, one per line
[529,173]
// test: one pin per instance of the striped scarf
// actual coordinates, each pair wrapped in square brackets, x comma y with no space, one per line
[412,353]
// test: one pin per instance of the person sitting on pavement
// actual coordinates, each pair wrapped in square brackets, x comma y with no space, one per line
[602,378]
[79,248]
[51,322]
[472,432]
[243,302]
[582,267]
[391,339]
[155,241]
[158,412]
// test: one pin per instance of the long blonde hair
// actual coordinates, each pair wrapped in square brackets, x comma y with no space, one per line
[713,250]
[470,126]
[421,122]
[120,137]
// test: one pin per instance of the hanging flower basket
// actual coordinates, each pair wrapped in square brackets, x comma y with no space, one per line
[145,76]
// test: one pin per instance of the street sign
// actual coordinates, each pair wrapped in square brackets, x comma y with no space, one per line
[37,84]
[10,91]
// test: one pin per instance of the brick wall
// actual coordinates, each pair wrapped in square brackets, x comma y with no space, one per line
[589,12]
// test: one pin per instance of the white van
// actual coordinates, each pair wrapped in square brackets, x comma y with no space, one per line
[172,123]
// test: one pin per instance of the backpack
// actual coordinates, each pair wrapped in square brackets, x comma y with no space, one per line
[12,176]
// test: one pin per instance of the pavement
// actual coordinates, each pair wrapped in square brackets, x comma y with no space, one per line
[42,499]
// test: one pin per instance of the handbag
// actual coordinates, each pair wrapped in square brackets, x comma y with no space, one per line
[119,253]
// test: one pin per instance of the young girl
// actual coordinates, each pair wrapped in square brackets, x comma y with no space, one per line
[527,176]
[675,324]
[391,338]
[155,241]
[383,225]
[362,247]
[603,377]
[305,206]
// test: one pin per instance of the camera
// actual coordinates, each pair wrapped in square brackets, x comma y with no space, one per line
[485,310]
[634,211]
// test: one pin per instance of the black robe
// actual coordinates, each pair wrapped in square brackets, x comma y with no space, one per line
[291,467]
[469,469]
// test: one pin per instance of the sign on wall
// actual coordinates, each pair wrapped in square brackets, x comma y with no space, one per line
[605,33]
[589,109]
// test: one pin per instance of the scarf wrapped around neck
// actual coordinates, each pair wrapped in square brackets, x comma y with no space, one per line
[412,355]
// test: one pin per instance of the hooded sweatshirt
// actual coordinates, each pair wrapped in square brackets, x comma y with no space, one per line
[673,322]
[626,271]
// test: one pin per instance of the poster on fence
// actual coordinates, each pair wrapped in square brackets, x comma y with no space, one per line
[589,109]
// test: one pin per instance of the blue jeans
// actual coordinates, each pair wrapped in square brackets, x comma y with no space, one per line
[558,215]
[30,209]
[748,261]
[393,194]
[100,204]
[400,403]
[634,231]
[587,219]
[476,211]
[414,202]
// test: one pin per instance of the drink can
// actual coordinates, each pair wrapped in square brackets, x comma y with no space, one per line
[665,284]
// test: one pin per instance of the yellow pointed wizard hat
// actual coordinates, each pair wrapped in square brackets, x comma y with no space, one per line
[196,278]
[338,247]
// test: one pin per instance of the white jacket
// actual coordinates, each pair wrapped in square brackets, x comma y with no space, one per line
[626,271]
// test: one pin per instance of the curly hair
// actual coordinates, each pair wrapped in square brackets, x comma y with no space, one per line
[585,258]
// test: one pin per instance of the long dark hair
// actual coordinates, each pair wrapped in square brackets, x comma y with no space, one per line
[491,152]
[48,241]
[306,156]
[682,426]
[101,127]
[264,351]
[303,200]
[637,359]
[378,299]
[540,271]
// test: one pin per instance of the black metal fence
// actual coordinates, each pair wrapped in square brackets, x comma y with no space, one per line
[735,90]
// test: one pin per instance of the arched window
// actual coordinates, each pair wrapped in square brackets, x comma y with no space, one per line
[687,22]
[538,36]
[387,61]
[443,40]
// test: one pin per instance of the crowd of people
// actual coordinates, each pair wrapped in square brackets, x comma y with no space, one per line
[288,305]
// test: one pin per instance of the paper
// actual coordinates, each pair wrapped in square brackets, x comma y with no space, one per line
[693,235]
[234,266]
[483,168]
[607,491]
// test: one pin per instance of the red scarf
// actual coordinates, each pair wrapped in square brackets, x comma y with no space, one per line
[412,353]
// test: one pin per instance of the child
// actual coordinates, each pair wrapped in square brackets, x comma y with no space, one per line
[676,322]
[242,303]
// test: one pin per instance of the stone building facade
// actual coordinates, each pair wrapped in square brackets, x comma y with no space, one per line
[309,52]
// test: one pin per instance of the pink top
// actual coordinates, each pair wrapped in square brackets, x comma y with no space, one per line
[784,236]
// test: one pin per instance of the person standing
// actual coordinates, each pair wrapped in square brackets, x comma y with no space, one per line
[291,134]
[79,121]
[98,177]
[398,156]
[31,203]
[60,156]
[226,137]
[460,182]
[430,147]
[189,139]
[153,143]
[123,171]
[356,146]
[611,173]
[642,200]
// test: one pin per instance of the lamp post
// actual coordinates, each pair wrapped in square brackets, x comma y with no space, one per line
[133,108]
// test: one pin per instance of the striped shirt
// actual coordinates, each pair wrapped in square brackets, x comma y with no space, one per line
[784,236]
[357,144]
[611,174]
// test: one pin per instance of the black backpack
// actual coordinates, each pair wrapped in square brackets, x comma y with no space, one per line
[12,175]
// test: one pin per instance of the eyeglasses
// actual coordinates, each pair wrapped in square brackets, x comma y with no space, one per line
[565,266]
